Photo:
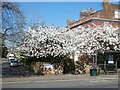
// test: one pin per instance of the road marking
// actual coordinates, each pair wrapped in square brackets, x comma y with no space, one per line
[94,81]
[41,81]
[15,82]
[60,80]
[102,81]
[106,81]
[57,81]
[110,78]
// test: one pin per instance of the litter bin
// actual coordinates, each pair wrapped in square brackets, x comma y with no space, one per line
[93,72]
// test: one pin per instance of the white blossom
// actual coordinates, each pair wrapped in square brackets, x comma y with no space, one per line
[56,41]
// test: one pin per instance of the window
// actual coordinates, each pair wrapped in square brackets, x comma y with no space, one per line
[117,13]
[110,59]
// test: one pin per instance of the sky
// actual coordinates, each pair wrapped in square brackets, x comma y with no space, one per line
[55,13]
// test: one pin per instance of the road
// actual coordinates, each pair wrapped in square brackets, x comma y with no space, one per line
[62,81]
[63,84]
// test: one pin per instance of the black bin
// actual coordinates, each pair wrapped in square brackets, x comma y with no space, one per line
[93,72]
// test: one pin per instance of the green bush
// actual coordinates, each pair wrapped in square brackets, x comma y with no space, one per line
[4,52]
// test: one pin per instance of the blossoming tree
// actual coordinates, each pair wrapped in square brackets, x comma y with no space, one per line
[55,41]
[43,41]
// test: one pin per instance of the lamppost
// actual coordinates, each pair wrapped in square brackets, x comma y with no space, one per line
[94,58]
[76,55]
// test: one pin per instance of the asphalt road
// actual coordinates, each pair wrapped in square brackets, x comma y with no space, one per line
[62,82]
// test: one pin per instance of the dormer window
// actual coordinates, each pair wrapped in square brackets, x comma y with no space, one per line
[117,13]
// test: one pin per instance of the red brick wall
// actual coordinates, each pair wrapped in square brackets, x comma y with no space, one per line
[106,13]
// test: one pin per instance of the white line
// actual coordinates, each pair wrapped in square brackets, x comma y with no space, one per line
[102,81]
[106,81]
[110,78]
[53,81]
[59,80]
[15,82]
[95,81]
[41,81]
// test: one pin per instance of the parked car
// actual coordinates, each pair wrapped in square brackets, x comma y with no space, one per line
[13,62]
[11,56]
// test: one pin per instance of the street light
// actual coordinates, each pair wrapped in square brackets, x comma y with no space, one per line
[76,55]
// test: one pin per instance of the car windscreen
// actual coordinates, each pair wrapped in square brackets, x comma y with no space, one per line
[13,61]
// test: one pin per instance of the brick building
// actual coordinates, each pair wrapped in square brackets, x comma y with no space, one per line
[109,13]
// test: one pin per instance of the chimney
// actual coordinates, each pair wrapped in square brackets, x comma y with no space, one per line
[69,22]
[105,1]
[105,4]
[90,10]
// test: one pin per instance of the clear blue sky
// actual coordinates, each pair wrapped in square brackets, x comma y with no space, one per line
[56,13]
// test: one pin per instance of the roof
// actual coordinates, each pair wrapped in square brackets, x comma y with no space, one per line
[82,20]
[93,16]
[91,19]
[12,55]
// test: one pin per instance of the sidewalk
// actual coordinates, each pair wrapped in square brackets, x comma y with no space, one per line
[61,77]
